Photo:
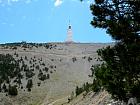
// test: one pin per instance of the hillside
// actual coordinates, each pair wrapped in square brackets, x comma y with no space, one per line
[54,68]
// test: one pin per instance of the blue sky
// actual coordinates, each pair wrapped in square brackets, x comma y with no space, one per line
[47,21]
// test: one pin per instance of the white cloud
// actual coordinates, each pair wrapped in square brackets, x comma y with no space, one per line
[10,2]
[58,3]
[90,1]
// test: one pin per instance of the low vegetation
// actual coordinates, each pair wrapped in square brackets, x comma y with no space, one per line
[29,84]
[13,71]
[86,87]
[74,59]
[12,90]
[25,45]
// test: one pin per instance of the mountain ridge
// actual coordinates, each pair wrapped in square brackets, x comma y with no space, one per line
[68,66]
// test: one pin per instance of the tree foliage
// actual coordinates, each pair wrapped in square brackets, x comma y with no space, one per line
[8,67]
[86,87]
[119,72]
[119,17]
[12,90]
[78,90]
[29,84]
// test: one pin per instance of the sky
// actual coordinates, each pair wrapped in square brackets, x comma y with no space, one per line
[43,21]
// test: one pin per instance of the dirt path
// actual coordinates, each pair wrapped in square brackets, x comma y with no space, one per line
[56,101]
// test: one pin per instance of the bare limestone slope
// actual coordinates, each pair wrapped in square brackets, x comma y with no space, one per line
[69,66]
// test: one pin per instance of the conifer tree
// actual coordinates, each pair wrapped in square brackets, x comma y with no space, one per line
[119,72]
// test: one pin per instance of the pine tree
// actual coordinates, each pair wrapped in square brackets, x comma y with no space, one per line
[119,73]
[4,88]
[29,85]
[12,90]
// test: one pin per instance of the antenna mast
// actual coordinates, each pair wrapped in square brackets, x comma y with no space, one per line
[69,33]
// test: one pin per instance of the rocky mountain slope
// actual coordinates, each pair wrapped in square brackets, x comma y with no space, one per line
[54,68]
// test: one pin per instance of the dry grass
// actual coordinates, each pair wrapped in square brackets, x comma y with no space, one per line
[65,77]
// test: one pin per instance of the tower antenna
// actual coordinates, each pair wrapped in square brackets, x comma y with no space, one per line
[69,21]
[69,33]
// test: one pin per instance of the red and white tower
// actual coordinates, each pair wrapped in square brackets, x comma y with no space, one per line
[69,34]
